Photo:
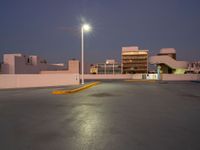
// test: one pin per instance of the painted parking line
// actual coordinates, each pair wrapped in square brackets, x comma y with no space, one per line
[60,92]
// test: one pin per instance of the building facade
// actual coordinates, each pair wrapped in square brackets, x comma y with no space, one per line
[134,60]
[167,63]
[109,67]
[22,64]
[193,67]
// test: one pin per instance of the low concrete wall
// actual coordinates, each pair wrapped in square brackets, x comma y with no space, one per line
[180,77]
[107,76]
[55,72]
[37,80]
[112,76]
[138,76]
[166,77]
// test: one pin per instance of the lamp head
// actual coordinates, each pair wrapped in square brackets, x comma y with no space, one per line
[86,27]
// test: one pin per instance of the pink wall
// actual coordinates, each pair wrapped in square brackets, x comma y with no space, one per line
[37,80]
[4,69]
[73,67]
[180,77]
[19,64]
[137,76]
[107,76]
[172,77]
[9,60]
[55,72]
[22,68]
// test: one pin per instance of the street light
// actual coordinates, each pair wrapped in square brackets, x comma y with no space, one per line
[86,28]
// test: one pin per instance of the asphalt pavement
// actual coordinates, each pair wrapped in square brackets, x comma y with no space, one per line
[114,115]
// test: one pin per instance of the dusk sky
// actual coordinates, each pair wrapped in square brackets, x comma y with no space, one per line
[51,28]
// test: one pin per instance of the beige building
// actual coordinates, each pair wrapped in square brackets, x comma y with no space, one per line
[134,60]
[167,63]
[22,64]
[109,67]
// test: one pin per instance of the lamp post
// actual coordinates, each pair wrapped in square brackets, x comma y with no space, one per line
[85,27]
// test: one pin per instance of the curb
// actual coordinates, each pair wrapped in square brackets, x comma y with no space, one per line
[60,92]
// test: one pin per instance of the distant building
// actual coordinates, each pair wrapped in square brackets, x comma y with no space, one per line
[1,64]
[22,64]
[167,63]
[109,67]
[193,67]
[134,60]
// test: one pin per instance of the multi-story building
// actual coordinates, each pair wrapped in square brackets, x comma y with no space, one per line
[134,60]
[109,67]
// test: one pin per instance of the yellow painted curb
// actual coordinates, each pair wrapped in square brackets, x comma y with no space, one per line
[59,92]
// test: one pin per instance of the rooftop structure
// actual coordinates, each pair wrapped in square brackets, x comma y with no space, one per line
[168,51]
[22,64]
[167,62]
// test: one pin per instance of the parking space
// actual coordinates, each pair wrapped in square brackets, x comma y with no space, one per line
[112,115]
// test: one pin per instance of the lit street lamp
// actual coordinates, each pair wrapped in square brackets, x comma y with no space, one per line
[86,28]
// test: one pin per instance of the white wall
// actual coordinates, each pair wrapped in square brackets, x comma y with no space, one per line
[37,80]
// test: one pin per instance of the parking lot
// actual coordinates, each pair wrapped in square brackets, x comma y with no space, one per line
[113,115]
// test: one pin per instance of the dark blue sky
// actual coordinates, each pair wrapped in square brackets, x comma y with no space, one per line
[50,28]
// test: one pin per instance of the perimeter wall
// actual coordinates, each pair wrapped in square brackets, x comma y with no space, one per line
[37,80]
[180,77]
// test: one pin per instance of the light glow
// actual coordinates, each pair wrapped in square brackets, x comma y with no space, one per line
[86,27]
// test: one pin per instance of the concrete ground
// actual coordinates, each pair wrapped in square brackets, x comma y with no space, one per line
[114,115]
